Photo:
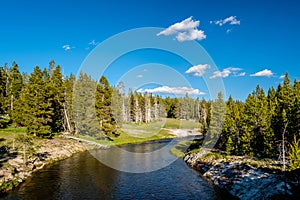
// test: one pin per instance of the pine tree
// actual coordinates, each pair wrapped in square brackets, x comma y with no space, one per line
[2,89]
[295,154]
[15,85]
[56,98]
[69,125]
[229,146]
[203,115]
[218,112]
[4,118]
[258,137]
[147,108]
[119,104]
[33,109]
[232,127]
[25,141]
[285,98]
[83,106]
[295,111]
[103,105]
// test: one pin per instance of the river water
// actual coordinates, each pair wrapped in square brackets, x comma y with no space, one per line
[84,177]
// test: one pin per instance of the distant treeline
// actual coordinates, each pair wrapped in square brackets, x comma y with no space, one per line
[46,103]
[264,125]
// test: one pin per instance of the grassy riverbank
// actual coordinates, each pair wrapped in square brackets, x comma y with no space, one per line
[40,152]
[16,165]
[143,132]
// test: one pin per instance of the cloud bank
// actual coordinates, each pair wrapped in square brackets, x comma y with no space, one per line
[173,90]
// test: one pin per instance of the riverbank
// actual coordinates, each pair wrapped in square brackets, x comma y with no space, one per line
[246,178]
[43,152]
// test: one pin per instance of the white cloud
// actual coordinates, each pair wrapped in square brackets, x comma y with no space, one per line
[241,74]
[228,31]
[140,76]
[263,73]
[185,30]
[93,43]
[282,76]
[226,72]
[232,20]
[173,90]
[67,47]
[198,70]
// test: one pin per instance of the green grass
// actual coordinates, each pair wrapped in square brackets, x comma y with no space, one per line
[8,135]
[10,132]
[143,130]
[126,138]
[180,148]
[180,124]
[131,133]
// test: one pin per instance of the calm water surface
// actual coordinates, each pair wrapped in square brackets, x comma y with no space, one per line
[84,177]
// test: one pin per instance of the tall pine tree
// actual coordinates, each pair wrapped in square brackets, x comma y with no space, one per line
[103,105]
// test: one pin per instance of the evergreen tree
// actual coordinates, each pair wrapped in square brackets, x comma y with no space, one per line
[68,122]
[33,109]
[83,106]
[229,146]
[218,112]
[56,98]
[118,104]
[295,111]
[232,127]
[2,89]
[295,154]
[103,105]
[15,85]
[258,137]
[285,98]
[203,116]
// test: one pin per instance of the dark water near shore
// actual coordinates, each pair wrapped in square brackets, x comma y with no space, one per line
[84,177]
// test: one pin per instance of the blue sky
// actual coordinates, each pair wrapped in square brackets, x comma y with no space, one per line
[242,37]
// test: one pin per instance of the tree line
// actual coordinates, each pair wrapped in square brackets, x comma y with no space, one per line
[266,124]
[46,103]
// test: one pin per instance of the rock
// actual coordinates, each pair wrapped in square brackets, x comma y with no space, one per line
[241,180]
[186,158]
[49,151]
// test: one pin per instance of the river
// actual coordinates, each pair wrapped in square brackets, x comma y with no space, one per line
[83,177]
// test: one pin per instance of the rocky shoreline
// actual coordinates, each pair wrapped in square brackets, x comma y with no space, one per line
[242,180]
[13,171]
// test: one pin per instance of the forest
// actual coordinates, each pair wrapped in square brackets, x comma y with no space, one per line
[265,125]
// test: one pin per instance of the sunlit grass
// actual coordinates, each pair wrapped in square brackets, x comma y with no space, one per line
[10,133]
[129,133]
[180,148]
[181,124]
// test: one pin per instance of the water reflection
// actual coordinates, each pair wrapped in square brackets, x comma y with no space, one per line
[84,177]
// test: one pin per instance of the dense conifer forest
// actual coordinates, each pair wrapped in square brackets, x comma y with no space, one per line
[265,125]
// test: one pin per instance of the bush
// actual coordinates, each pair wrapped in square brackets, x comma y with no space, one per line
[4,121]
